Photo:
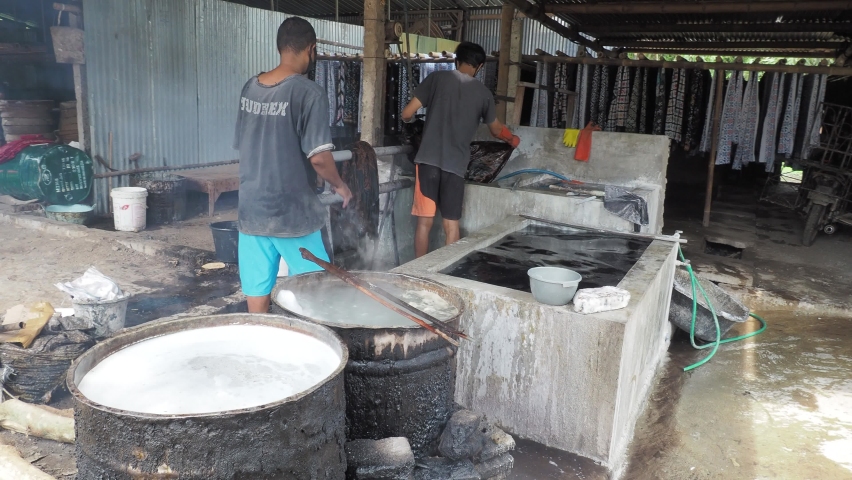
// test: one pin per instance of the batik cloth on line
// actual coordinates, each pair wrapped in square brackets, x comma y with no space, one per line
[769,131]
[543,112]
[581,106]
[694,118]
[707,132]
[559,118]
[727,123]
[643,110]
[674,112]
[622,97]
[594,94]
[630,123]
[660,103]
[603,100]
[352,93]
[747,122]
[787,137]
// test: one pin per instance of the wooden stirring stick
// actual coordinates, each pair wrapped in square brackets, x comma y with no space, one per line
[385,299]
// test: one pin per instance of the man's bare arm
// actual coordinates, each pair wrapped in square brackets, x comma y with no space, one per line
[324,165]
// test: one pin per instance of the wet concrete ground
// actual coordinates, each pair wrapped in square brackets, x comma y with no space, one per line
[778,405]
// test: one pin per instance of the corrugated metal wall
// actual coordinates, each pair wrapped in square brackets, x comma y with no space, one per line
[487,34]
[164,77]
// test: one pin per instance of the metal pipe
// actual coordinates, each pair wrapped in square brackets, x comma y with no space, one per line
[387,187]
[339,156]
[344,155]
[711,163]
[164,169]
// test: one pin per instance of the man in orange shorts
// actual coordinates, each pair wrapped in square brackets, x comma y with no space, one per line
[456,104]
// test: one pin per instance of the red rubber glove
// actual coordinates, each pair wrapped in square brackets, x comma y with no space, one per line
[507,137]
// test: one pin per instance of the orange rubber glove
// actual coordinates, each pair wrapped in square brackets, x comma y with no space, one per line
[507,137]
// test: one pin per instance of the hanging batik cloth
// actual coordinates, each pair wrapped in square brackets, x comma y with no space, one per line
[747,122]
[559,118]
[643,109]
[603,105]
[622,99]
[694,118]
[544,98]
[536,103]
[594,95]
[787,137]
[730,112]
[771,117]
[674,113]
[630,124]
[815,124]
[707,132]
[581,105]
[660,103]
[352,92]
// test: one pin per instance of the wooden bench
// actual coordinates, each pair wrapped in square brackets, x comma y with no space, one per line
[213,181]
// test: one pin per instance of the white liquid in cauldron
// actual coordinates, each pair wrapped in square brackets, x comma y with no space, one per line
[210,370]
[337,302]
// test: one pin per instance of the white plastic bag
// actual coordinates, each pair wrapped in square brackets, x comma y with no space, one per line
[92,286]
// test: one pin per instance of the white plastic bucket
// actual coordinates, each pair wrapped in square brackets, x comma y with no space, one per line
[128,207]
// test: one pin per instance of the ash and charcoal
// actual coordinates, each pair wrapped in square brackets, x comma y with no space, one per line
[470,448]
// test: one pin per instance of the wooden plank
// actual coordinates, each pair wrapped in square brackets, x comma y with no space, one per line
[29,129]
[68,45]
[548,88]
[10,122]
[519,104]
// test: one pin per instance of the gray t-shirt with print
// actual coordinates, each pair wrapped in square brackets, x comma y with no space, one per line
[279,127]
[455,104]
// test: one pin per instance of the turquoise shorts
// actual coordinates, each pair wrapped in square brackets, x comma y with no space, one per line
[260,257]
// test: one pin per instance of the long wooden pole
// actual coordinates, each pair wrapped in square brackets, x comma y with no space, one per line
[508,14]
[711,162]
[633,7]
[718,27]
[437,327]
[752,67]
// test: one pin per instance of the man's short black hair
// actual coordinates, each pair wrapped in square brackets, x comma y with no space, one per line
[471,54]
[295,34]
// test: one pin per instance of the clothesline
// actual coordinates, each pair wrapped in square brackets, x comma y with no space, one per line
[760,67]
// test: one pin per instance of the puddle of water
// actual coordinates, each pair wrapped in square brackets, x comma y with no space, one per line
[534,461]
[192,291]
[602,259]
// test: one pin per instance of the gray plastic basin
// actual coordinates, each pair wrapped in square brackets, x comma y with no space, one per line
[553,285]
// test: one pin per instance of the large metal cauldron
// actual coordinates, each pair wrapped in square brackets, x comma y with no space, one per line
[299,437]
[399,381]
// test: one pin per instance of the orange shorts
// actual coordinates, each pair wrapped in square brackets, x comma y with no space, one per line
[435,189]
[423,205]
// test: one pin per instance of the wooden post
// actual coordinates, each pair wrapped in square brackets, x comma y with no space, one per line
[711,163]
[375,69]
[514,69]
[508,14]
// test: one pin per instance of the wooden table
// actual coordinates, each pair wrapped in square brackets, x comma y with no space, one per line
[213,181]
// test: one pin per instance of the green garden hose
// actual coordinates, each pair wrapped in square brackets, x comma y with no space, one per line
[719,340]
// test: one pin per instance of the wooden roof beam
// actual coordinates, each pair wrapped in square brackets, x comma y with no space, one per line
[716,27]
[631,7]
[536,13]
[731,53]
[768,45]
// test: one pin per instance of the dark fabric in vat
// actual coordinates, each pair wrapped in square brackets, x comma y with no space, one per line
[602,259]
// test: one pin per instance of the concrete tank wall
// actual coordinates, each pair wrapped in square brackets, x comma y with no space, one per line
[573,382]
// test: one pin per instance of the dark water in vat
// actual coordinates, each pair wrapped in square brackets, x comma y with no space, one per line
[602,259]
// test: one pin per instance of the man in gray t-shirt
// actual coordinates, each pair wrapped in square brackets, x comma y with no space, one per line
[284,140]
[456,103]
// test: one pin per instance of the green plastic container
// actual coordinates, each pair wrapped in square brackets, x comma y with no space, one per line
[57,174]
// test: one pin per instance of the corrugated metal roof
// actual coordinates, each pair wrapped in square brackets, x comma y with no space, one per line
[164,77]
[486,32]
